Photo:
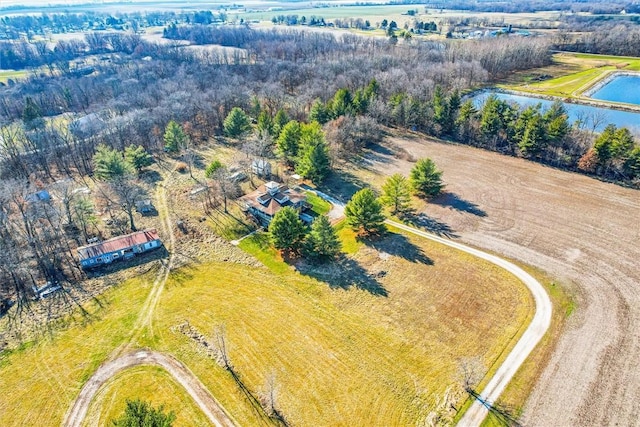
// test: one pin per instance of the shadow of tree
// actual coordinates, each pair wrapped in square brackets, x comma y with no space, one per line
[455,202]
[375,153]
[182,275]
[342,185]
[198,160]
[150,176]
[502,415]
[427,223]
[343,273]
[398,245]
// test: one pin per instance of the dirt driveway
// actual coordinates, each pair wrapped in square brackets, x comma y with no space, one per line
[582,231]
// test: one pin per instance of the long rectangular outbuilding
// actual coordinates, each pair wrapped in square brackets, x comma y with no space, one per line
[121,247]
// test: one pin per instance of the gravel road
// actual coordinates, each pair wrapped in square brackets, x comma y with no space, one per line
[584,232]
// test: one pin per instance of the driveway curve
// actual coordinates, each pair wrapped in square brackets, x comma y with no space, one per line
[181,374]
[525,345]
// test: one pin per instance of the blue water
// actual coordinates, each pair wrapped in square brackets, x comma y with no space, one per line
[620,89]
[585,114]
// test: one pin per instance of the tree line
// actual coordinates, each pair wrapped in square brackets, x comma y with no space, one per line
[306,98]
[16,27]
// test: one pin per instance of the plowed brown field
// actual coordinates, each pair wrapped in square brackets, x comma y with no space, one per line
[582,231]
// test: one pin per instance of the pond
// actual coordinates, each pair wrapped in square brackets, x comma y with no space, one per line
[589,116]
[624,88]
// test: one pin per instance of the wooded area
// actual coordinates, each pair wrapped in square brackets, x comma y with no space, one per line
[55,124]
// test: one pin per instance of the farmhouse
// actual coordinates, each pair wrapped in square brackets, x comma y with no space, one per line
[269,198]
[121,247]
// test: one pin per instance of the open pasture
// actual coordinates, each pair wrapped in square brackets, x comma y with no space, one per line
[388,325]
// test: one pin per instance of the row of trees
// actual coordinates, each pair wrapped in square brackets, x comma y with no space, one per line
[608,38]
[615,153]
[16,26]
[132,100]
[288,233]
[363,214]
[546,135]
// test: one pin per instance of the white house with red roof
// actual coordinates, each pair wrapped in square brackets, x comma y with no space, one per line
[121,247]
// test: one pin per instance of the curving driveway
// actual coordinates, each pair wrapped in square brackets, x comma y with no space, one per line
[527,342]
[525,345]
[183,376]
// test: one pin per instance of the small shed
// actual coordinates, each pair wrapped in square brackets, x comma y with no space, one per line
[261,167]
[145,206]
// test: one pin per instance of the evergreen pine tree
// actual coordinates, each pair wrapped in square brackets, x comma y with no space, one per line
[288,143]
[109,164]
[426,179]
[396,193]
[286,230]
[364,213]
[322,241]
[236,123]
[174,137]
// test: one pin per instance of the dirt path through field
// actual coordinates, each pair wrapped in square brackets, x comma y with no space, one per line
[177,370]
[119,361]
[584,232]
[145,317]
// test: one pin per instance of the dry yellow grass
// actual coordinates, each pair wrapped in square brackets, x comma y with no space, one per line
[148,383]
[39,382]
[341,354]
[375,342]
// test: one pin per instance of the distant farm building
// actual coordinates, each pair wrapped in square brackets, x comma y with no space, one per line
[269,198]
[122,247]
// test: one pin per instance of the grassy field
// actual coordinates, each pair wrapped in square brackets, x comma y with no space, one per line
[387,328]
[5,75]
[376,13]
[405,283]
[148,383]
[571,74]
[44,378]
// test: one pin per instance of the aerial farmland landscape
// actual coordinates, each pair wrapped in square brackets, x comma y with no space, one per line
[295,213]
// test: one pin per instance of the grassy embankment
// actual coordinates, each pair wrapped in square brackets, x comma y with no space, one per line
[5,75]
[571,74]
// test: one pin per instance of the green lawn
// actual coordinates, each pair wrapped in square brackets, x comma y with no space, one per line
[319,206]
[573,74]
[5,75]
[259,245]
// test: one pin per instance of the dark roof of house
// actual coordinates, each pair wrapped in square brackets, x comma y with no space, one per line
[268,203]
[118,243]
